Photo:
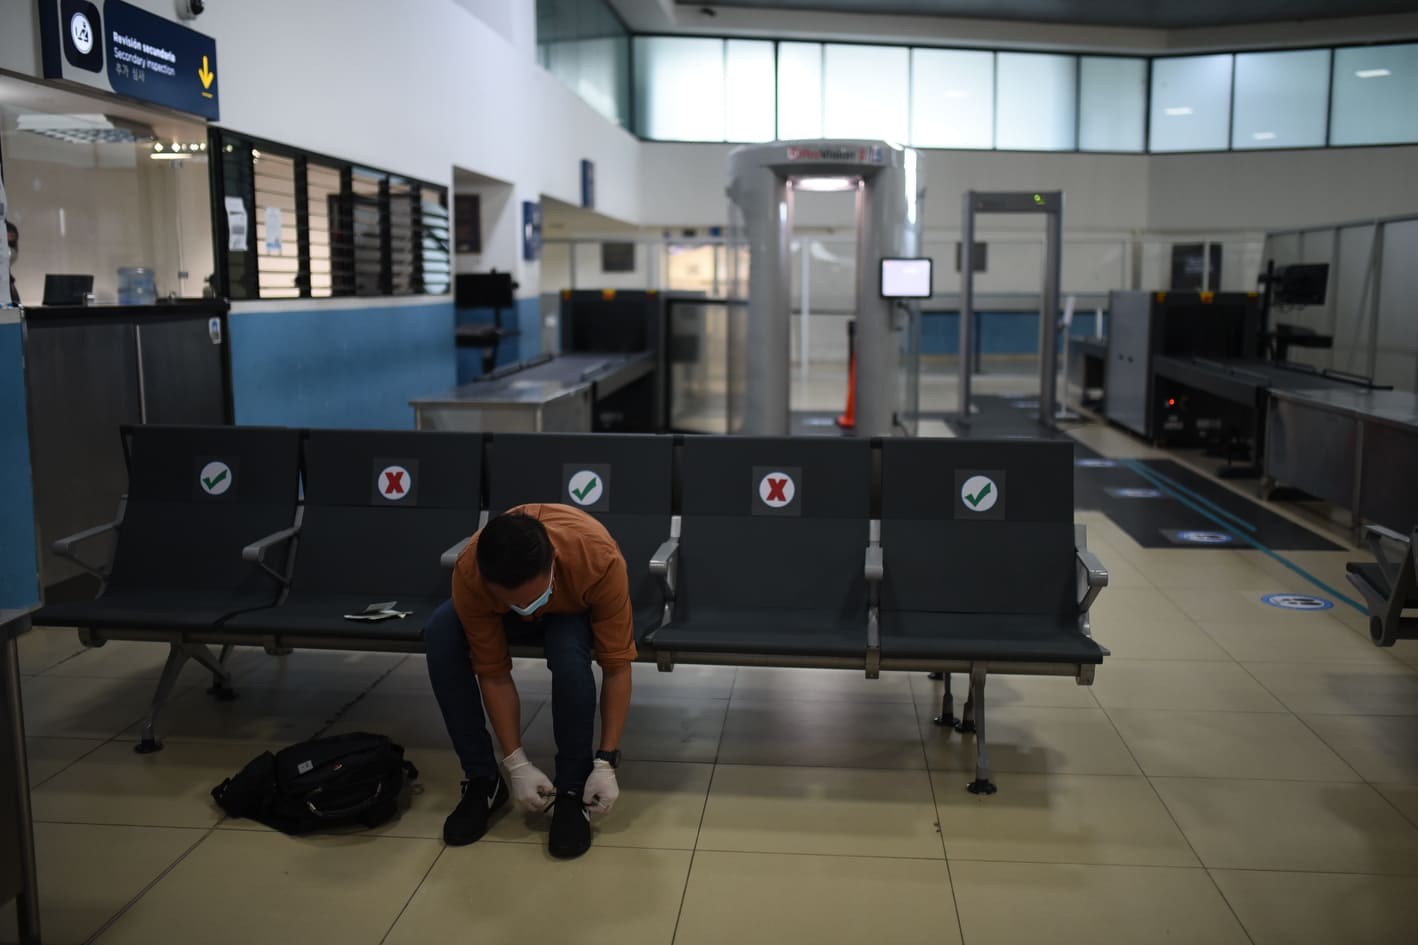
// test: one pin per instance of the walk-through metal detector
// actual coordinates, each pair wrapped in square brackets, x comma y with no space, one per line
[889,183]
[1049,203]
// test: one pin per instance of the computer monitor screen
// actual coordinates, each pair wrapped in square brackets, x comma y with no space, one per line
[67,289]
[905,278]
[1303,284]
[484,290]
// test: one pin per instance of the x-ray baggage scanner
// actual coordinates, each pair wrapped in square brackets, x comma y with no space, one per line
[890,186]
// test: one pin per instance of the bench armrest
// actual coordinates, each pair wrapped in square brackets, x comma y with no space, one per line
[1095,577]
[64,547]
[449,558]
[256,552]
[664,564]
[875,567]
[1375,536]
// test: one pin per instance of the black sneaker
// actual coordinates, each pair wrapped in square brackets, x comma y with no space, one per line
[468,822]
[570,826]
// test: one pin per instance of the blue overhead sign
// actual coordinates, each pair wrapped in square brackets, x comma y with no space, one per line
[118,47]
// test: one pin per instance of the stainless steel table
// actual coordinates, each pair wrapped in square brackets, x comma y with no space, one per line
[18,876]
[1356,449]
[556,395]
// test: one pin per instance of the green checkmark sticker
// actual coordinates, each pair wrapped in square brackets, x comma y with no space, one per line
[978,497]
[215,480]
[586,489]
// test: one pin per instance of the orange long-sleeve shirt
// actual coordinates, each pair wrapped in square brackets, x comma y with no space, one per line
[589,577]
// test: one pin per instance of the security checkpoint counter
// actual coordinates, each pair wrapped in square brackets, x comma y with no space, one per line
[554,395]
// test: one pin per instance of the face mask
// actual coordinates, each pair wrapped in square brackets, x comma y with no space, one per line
[537,604]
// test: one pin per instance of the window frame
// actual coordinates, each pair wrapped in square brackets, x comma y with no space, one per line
[245,286]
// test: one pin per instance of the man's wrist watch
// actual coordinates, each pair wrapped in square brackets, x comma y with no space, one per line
[611,758]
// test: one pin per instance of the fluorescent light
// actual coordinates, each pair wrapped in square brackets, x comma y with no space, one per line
[825,183]
[1264,136]
[1372,73]
[1178,111]
[169,156]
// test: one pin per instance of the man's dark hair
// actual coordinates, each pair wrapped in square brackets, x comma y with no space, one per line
[11,228]
[512,549]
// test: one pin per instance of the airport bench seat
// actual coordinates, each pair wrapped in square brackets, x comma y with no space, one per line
[999,639]
[632,496]
[154,609]
[740,550]
[1389,584]
[312,619]
[787,633]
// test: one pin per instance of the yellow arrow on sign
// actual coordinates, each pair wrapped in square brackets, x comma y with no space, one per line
[206,74]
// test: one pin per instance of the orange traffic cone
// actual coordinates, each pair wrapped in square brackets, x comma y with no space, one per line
[848,420]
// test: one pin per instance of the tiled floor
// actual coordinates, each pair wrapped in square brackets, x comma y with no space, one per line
[1237,774]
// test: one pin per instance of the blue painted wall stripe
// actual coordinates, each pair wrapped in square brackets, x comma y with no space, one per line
[1000,332]
[19,571]
[340,368]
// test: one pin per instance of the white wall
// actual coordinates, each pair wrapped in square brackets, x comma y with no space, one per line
[1267,190]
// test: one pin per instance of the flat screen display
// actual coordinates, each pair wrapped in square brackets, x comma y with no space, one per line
[905,278]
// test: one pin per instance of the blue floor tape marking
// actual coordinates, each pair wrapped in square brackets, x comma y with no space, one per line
[1152,477]
[1136,466]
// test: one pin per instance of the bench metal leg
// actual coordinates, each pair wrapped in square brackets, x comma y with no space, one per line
[947,704]
[966,723]
[177,656]
[982,783]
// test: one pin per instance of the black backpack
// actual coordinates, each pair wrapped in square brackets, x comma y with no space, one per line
[337,781]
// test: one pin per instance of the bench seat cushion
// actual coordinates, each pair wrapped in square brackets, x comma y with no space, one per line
[1023,638]
[134,609]
[322,615]
[767,632]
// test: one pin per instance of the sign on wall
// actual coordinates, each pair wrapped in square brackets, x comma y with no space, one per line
[531,230]
[117,47]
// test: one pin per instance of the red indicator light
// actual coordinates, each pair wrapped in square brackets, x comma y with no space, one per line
[1171,401]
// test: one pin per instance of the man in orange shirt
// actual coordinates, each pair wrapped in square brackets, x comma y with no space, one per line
[555,570]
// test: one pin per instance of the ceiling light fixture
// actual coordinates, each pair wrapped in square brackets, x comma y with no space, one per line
[1373,73]
[825,184]
[1178,111]
[169,156]
[1264,136]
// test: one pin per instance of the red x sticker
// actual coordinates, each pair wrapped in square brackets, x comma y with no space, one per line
[395,482]
[777,489]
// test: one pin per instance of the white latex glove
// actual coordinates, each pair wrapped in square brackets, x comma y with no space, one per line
[531,789]
[601,788]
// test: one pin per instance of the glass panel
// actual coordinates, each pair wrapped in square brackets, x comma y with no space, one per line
[952,98]
[799,91]
[1036,104]
[866,92]
[1281,99]
[367,239]
[277,249]
[1375,88]
[106,186]
[679,88]
[322,186]
[1191,103]
[584,44]
[435,261]
[1113,104]
[748,103]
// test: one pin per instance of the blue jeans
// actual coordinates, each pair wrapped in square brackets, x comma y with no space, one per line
[573,694]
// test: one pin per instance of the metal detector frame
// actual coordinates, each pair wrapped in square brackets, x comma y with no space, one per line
[1050,203]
